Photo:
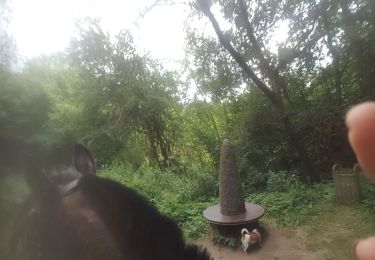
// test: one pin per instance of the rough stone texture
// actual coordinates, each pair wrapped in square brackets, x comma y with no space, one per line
[230,190]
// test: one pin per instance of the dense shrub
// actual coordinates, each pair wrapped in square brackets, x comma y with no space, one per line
[292,206]
[254,180]
[258,181]
[367,205]
[182,197]
[281,181]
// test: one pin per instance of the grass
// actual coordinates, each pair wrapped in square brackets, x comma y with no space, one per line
[334,227]
[293,206]
[330,227]
[12,192]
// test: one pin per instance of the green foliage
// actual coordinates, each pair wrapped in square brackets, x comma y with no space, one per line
[254,180]
[24,110]
[258,129]
[281,181]
[367,205]
[13,191]
[128,94]
[258,181]
[185,197]
[125,106]
[17,97]
[182,197]
[283,196]
[306,82]
[211,67]
[292,206]
[110,97]
[226,241]
[204,127]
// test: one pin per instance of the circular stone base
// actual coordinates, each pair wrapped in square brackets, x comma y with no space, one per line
[253,213]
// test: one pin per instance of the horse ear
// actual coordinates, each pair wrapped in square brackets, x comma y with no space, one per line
[83,161]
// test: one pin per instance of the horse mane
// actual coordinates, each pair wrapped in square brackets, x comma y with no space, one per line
[83,216]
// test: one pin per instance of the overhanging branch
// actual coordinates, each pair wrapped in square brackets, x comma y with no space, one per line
[264,62]
[239,58]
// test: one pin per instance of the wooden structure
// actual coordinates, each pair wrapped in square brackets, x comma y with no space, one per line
[347,185]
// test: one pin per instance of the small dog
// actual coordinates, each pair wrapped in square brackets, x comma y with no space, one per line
[250,238]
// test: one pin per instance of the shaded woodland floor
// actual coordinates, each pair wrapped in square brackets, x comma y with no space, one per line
[279,243]
[326,235]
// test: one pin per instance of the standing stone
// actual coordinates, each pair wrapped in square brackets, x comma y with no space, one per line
[230,190]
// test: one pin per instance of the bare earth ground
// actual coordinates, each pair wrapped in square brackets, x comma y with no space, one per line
[278,244]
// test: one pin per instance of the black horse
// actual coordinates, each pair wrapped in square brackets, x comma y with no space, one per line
[77,215]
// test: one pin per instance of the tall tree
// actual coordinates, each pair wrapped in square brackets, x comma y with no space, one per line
[263,72]
[126,92]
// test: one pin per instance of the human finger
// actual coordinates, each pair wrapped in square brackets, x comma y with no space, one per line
[360,121]
[364,249]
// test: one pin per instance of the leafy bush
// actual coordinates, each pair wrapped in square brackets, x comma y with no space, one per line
[281,181]
[182,197]
[254,180]
[188,215]
[367,205]
[290,207]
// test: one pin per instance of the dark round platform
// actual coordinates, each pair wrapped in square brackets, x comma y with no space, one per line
[252,214]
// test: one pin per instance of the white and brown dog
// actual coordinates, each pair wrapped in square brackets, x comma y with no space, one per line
[250,238]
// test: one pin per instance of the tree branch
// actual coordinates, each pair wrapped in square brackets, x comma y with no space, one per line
[296,49]
[239,58]
[335,56]
[264,61]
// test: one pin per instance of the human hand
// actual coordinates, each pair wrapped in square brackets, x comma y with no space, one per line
[360,121]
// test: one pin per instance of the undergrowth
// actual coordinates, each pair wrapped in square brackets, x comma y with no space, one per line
[367,205]
[291,207]
[13,191]
[182,197]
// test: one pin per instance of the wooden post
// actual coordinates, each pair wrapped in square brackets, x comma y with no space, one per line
[347,185]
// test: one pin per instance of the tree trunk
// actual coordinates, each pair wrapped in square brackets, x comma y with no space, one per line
[274,93]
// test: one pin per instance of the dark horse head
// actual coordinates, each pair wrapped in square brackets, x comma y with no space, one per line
[77,215]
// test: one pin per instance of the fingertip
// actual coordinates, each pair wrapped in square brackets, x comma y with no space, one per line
[360,114]
[363,249]
[360,121]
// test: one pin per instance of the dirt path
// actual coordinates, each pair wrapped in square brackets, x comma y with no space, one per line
[279,244]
